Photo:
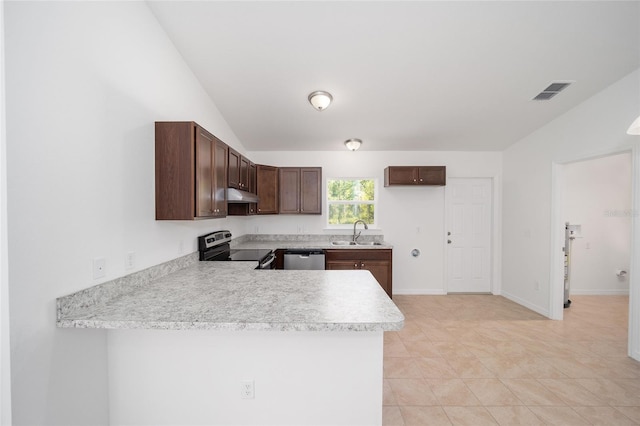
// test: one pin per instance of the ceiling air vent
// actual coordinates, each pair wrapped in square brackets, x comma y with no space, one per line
[551,90]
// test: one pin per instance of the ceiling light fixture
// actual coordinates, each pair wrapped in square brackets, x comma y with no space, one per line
[634,129]
[353,144]
[320,99]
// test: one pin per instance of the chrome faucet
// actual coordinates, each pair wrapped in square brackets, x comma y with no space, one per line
[355,237]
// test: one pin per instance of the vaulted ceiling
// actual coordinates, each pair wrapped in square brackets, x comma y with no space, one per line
[414,75]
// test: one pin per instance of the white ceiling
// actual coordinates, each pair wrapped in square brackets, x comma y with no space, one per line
[404,75]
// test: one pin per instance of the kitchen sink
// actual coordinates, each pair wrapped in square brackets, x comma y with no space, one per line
[370,243]
[343,243]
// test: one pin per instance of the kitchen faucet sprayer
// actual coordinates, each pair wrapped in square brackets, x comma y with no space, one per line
[355,237]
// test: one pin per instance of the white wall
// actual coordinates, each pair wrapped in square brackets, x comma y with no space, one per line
[597,195]
[300,377]
[5,353]
[591,129]
[85,82]
[409,217]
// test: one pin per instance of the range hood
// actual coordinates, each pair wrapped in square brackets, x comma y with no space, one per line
[240,196]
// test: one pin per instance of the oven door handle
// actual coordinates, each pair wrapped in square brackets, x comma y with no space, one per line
[269,262]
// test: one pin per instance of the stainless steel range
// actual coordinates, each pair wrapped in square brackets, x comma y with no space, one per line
[215,247]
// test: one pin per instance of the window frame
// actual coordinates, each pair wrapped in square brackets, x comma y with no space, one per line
[328,202]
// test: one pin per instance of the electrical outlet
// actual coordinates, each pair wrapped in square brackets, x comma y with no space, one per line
[247,390]
[537,285]
[99,268]
[130,260]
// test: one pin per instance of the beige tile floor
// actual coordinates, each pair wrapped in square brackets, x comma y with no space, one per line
[484,360]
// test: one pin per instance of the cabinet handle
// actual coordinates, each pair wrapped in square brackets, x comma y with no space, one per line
[420,180]
[362,265]
[355,266]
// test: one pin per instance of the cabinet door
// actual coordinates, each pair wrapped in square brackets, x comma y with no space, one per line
[204,174]
[400,175]
[175,170]
[243,183]
[252,178]
[289,190]
[381,271]
[267,189]
[220,157]
[311,190]
[253,207]
[432,175]
[234,169]
[376,261]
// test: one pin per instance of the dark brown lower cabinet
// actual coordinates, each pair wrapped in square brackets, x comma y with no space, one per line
[279,258]
[376,261]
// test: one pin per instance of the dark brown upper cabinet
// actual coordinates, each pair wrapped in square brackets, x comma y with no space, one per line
[267,189]
[415,175]
[238,170]
[300,190]
[247,209]
[191,172]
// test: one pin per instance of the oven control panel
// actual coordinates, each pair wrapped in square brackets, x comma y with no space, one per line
[213,239]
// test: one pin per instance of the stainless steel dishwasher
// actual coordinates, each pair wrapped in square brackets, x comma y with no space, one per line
[304,259]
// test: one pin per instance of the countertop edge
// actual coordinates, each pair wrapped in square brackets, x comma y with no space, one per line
[177,325]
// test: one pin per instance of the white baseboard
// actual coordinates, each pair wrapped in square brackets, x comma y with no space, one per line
[419,292]
[519,301]
[623,292]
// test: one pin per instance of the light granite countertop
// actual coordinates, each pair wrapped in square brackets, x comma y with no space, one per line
[233,296]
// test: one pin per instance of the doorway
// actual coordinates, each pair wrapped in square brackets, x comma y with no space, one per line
[609,214]
[597,198]
[468,221]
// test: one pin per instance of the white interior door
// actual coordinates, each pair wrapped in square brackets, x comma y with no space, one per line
[468,204]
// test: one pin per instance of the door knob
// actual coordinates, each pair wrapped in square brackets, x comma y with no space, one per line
[449,233]
[448,241]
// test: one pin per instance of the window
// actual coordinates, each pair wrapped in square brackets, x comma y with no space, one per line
[349,200]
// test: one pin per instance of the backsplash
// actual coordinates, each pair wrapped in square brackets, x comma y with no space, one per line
[303,238]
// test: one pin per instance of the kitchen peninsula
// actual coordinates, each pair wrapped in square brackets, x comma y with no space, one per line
[221,343]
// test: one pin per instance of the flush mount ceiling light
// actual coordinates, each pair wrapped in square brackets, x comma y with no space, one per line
[320,100]
[353,144]
[634,129]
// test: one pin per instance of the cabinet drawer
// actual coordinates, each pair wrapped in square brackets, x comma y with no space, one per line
[355,254]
